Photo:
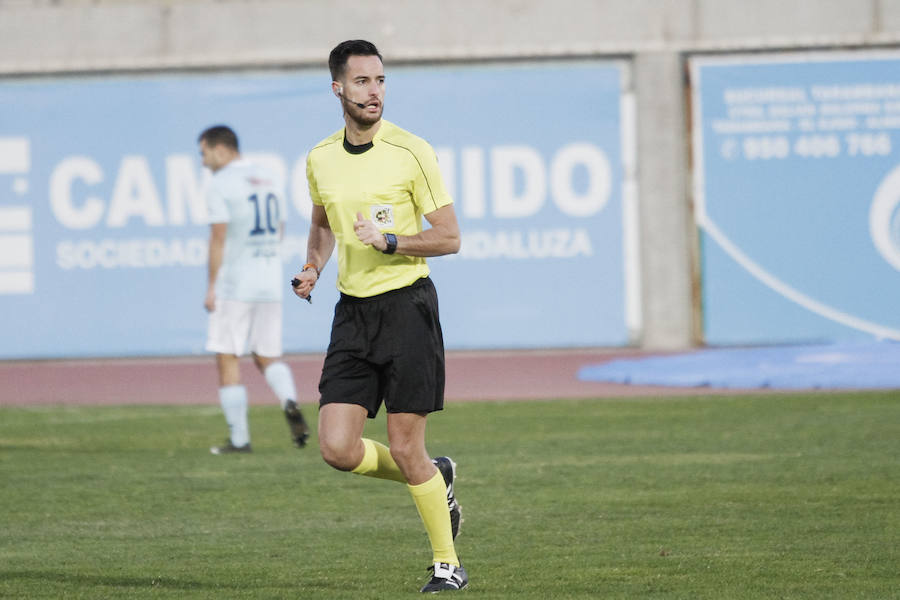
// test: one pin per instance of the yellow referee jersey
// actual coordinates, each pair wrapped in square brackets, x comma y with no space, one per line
[393,183]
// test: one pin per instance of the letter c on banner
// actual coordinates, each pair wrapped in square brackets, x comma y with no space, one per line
[884,218]
[61,202]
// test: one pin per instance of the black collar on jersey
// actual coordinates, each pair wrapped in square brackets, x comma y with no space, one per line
[356,149]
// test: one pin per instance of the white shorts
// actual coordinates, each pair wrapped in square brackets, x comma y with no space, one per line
[237,327]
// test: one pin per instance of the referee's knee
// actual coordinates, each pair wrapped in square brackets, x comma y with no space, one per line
[340,456]
[404,452]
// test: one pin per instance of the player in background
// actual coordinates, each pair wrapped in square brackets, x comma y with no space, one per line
[371,183]
[246,212]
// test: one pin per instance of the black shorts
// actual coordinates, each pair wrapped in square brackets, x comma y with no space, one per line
[388,348]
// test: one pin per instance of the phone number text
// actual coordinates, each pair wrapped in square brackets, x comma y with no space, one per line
[771,147]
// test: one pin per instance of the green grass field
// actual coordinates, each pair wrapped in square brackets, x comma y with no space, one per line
[770,496]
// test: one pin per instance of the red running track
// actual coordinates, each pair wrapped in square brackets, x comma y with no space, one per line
[512,375]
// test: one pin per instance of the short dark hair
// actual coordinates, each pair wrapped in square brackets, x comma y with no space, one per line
[337,60]
[219,135]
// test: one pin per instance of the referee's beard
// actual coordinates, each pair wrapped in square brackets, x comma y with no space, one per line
[361,116]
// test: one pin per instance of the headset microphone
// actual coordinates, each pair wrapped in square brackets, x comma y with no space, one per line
[341,94]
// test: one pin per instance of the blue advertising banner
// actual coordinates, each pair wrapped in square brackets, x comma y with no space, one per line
[103,231]
[797,191]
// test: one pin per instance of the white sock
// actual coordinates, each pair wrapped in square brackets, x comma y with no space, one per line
[234,403]
[278,376]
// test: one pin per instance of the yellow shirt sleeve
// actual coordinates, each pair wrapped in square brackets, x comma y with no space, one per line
[311,182]
[429,193]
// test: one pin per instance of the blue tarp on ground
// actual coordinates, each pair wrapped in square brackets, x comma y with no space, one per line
[836,366]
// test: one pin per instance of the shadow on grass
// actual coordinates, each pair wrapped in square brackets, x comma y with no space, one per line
[161,583]
[77,579]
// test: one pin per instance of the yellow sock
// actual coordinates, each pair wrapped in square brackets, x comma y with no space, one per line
[431,500]
[378,462]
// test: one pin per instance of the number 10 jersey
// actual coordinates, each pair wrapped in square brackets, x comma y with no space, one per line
[248,198]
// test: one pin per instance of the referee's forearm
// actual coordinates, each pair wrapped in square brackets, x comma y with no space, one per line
[319,246]
[436,241]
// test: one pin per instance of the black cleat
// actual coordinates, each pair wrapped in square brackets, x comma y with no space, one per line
[229,448]
[446,577]
[296,423]
[448,470]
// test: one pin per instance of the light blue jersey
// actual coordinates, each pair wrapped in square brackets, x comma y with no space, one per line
[251,201]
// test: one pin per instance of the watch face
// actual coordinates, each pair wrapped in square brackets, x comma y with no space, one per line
[391,241]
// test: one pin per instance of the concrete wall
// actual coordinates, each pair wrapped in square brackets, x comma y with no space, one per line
[58,36]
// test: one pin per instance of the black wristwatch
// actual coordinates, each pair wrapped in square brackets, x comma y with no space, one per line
[391,240]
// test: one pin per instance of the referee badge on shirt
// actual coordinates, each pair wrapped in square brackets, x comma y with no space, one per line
[383,215]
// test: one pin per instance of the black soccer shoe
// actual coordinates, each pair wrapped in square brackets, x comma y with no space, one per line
[296,423]
[445,577]
[229,448]
[448,470]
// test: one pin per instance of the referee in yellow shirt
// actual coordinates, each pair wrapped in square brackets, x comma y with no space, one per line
[371,183]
